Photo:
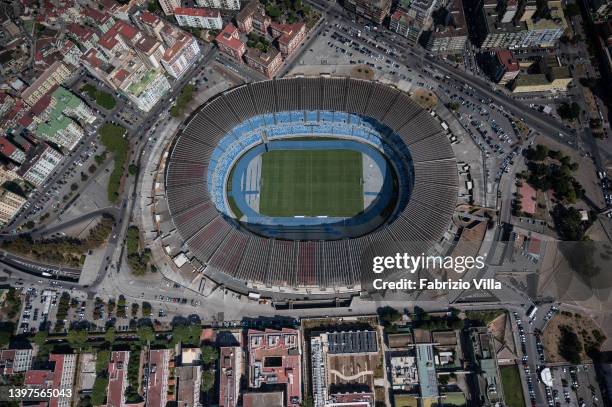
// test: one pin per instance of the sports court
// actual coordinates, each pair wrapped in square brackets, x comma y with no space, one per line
[311,183]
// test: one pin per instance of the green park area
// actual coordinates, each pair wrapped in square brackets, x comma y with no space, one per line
[182,100]
[138,259]
[104,99]
[112,137]
[63,251]
[511,383]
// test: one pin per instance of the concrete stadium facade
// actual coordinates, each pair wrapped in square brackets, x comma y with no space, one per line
[251,115]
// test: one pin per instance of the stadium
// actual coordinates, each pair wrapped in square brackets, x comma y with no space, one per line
[281,185]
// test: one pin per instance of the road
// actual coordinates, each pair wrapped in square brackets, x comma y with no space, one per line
[36,269]
[51,181]
[389,40]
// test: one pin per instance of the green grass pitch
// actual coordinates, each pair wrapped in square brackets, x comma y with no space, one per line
[311,183]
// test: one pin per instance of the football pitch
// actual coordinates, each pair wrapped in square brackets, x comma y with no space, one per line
[311,183]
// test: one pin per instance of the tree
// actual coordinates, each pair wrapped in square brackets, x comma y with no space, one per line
[135,308]
[273,11]
[540,153]
[74,186]
[40,338]
[133,169]
[92,168]
[146,309]
[102,360]
[110,306]
[570,346]
[186,334]
[209,355]
[5,336]
[121,307]
[145,334]
[454,106]
[110,335]
[389,315]
[77,338]
[98,394]
[569,111]
[568,222]
[153,6]
[208,380]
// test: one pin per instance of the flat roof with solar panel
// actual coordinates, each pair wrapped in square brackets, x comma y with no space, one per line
[352,342]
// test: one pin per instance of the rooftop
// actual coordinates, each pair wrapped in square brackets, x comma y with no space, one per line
[506,58]
[289,31]
[6,147]
[197,12]
[262,399]
[125,30]
[352,342]
[158,376]
[531,80]
[117,370]
[262,58]
[427,371]
[229,37]
[82,33]
[149,18]
[183,41]
[136,88]
[96,15]
[403,17]
[455,23]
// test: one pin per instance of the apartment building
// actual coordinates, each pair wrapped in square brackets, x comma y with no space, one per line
[230,375]
[268,63]
[157,384]
[182,52]
[283,346]
[375,10]
[451,36]
[168,6]
[117,378]
[55,75]
[85,37]
[229,42]
[223,4]
[10,203]
[253,17]
[39,164]
[15,361]
[288,36]
[10,150]
[495,30]
[198,17]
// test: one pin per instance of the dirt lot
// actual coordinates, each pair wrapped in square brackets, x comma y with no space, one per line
[362,72]
[425,98]
[582,326]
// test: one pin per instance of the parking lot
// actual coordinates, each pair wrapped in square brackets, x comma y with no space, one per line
[39,306]
[492,129]
[573,386]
